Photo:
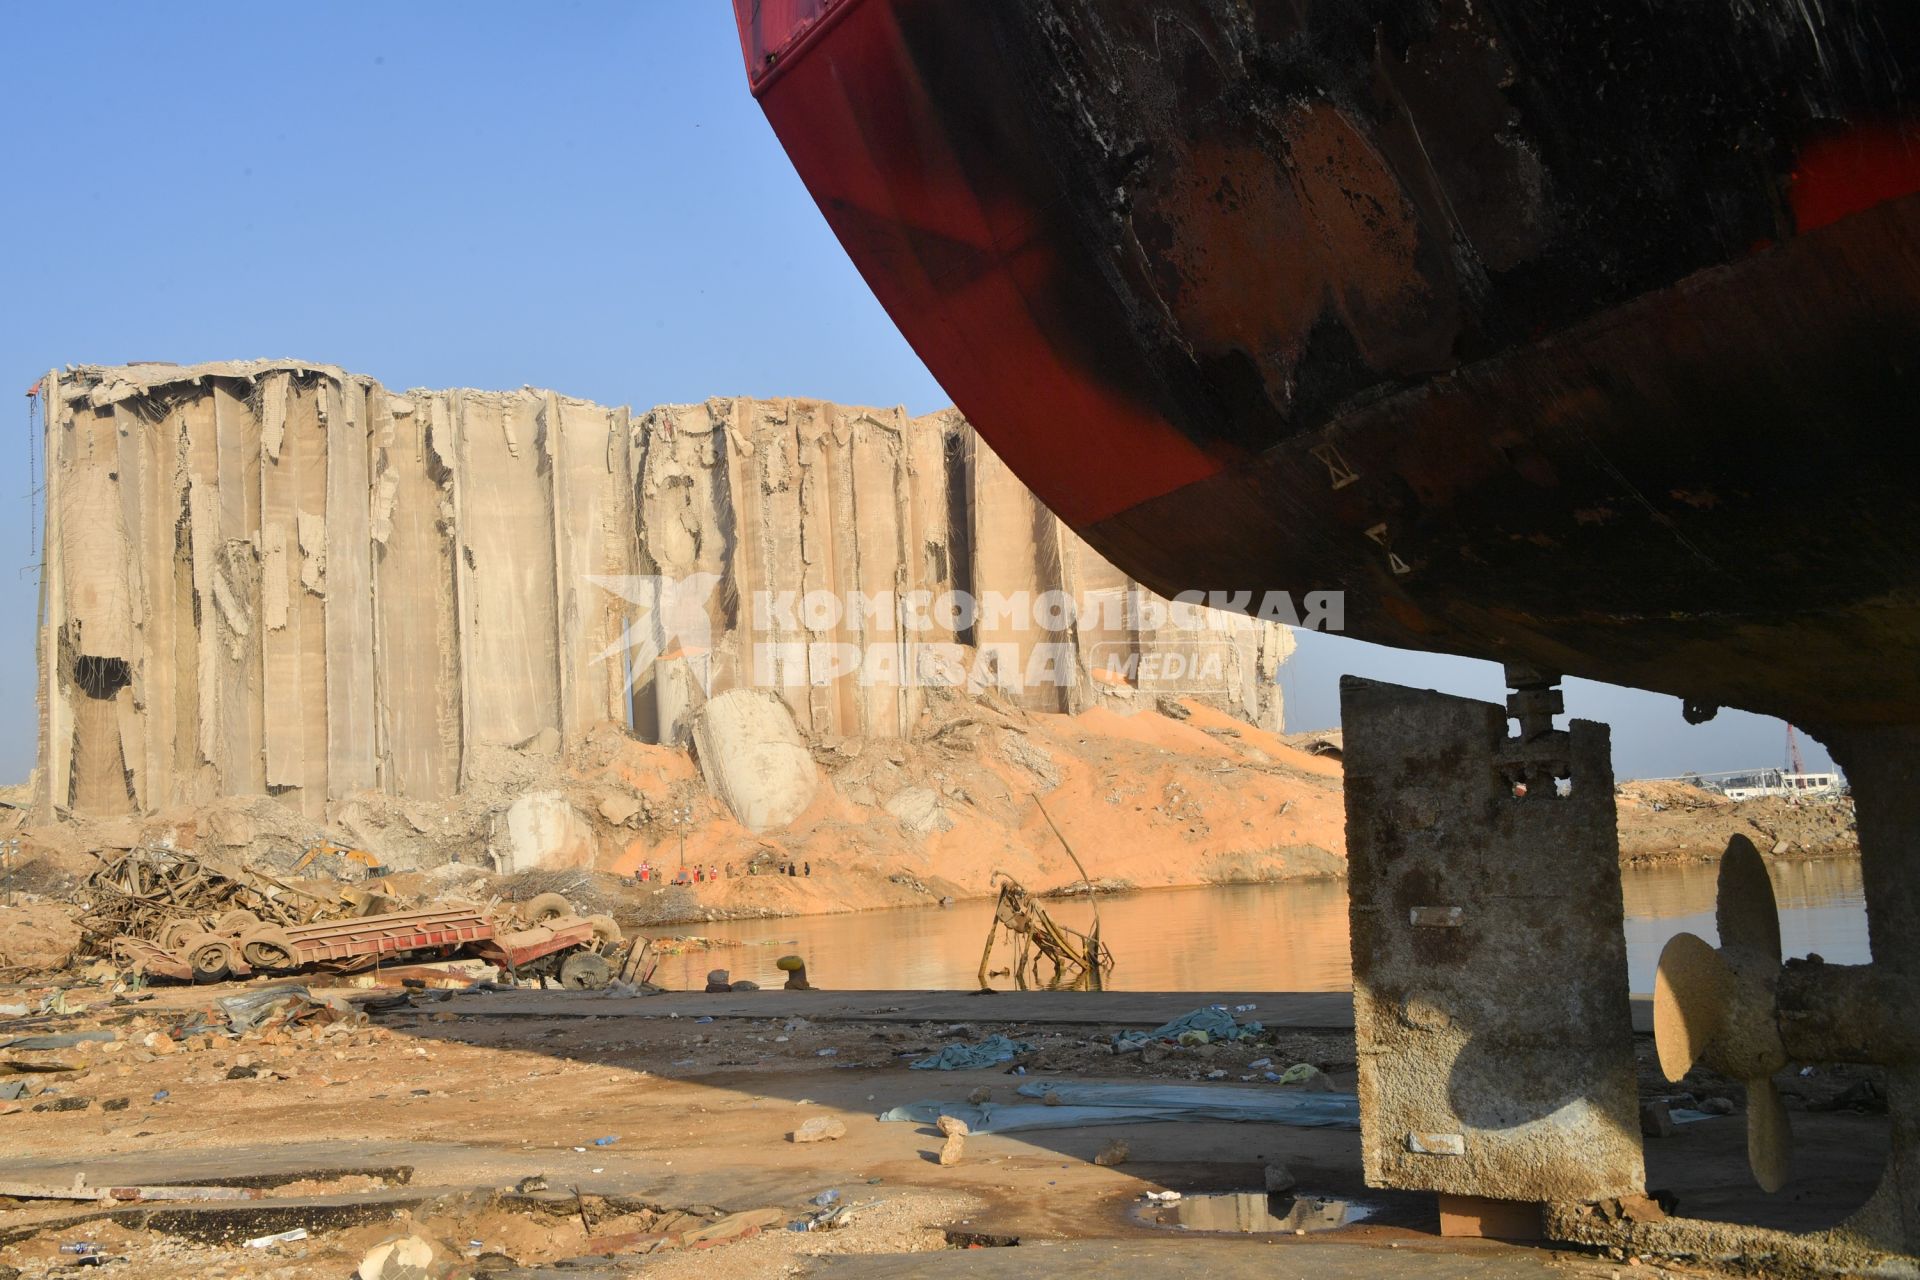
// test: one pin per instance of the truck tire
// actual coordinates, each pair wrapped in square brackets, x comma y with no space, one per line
[585,971]
[236,924]
[175,932]
[544,907]
[210,956]
[267,948]
[605,932]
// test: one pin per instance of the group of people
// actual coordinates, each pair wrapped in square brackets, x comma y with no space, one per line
[784,869]
[647,873]
[696,874]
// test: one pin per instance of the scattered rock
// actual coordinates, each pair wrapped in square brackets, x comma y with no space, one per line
[1115,1152]
[407,1258]
[1656,1119]
[1717,1106]
[919,810]
[820,1129]
[37,936]
[1279,1178]
[618,807]
[719,980]
[955,1146]
[981,1096]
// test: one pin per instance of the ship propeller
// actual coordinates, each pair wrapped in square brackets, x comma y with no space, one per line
[1718,1006]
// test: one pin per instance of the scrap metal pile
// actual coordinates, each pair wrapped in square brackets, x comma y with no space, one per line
[164,913]
[165,896]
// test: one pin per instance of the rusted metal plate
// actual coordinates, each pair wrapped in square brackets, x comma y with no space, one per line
[1495,1044]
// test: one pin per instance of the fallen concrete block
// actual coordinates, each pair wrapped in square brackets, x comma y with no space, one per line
[753,758]
[820,1129]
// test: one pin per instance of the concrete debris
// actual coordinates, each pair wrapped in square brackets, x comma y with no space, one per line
[919,810]
[407,1258]
[955,1131]
[820,1129]
[39,935]
[1278,1178]
[1115,1152]
[753,758]
[617,809]
[543,829]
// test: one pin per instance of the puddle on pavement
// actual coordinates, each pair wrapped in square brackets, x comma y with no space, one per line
[1253,1212]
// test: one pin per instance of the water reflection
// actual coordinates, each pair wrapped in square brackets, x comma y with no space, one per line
[1282,937]
[1822,908]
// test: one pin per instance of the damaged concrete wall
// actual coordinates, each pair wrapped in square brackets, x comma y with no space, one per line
[279,577]
[805,501]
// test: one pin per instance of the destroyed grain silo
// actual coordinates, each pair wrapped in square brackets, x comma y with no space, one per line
[279,578]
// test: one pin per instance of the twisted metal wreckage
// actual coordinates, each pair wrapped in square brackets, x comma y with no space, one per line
[160,912]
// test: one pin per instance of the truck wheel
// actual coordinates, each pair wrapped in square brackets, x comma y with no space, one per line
[267,948]
[605,931]
[174,933]
[585,971]
[544,907]
[236,924]
[210,956]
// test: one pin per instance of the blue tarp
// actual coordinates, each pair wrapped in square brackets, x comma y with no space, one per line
[972,1057]
[1082,1105]
[1217,1023]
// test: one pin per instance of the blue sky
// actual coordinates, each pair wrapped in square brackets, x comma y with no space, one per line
[580,196]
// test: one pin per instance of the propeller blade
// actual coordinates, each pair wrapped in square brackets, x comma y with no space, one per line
[1744,907]
[1769,1140]
[1691,989]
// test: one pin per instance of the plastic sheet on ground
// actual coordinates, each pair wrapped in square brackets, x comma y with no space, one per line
[1217,1023]
[972,1057]
[59,1040]
[1095,1104]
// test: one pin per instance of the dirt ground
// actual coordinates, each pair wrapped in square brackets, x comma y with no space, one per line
[657,1140]
[1674,822]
